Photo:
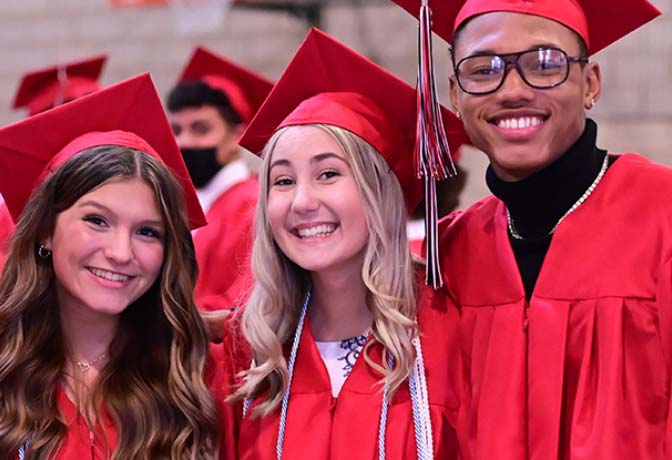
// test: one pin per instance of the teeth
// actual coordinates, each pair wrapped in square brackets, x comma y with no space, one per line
[319,230]
[109,275]
[519,123]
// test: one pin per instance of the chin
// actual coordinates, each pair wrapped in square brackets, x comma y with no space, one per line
[519,164]
[108,306]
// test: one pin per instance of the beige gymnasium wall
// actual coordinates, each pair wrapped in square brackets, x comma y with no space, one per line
[634,113]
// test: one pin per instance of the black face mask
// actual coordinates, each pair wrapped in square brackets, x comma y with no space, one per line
[202,164]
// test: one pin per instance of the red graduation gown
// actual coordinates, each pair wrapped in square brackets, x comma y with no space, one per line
[321,427]
[6,229]
[82,443]
[583,370]
[224,246]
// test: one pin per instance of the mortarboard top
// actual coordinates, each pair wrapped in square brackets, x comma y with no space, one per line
[128,114]
[43,89]
[245,89]
[327,82]
[599,22]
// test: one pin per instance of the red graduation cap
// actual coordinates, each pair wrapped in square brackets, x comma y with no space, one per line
[598,22]
[128,114]
[327,82]
[46,88]
[245,89]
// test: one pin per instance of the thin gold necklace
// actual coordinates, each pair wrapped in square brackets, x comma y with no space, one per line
[86,365]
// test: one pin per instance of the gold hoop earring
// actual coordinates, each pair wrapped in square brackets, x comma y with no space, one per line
[43,252]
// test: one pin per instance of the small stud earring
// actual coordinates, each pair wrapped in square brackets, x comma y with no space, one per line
[458,115]
[43,252]
[591,103]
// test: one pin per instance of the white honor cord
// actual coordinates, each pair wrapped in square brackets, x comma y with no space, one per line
[417,387]
[23,450]
[420,399]
[383,414]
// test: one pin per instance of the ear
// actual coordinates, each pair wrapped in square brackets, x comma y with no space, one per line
[48,243]
[593,82]
[454,101]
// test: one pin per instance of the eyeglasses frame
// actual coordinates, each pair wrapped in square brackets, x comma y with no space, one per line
[506,57]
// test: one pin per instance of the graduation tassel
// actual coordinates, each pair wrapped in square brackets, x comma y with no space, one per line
[433,160]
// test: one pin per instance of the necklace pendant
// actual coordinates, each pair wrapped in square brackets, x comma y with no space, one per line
[83,367]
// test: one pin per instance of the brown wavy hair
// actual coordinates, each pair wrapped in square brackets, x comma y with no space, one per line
[153,386]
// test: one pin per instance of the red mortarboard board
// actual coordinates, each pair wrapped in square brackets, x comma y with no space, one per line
[326,82]
[245,89]
[599,22]
[128,114]
[46,88]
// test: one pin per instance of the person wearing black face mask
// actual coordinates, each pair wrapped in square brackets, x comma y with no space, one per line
[208,109]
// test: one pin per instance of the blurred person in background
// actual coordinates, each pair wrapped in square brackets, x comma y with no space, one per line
[208,111]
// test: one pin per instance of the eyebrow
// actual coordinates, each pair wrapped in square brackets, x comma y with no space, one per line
[104,208]
[316,159]
[536,46]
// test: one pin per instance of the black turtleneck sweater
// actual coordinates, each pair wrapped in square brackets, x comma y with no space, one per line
[537,202]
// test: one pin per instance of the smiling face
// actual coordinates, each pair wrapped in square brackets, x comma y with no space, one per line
[522,129]
[315,209]
[107,249]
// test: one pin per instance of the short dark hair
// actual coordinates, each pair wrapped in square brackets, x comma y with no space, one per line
[583,48]
[197,93]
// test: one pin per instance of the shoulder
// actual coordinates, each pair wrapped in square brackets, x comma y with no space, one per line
[242,196]
[639,183]
[477,214]
[637,163]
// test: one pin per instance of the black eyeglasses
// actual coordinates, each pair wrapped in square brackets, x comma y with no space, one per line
[541,68]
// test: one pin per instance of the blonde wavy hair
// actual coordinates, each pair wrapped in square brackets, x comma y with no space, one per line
[270,317]
[153,385]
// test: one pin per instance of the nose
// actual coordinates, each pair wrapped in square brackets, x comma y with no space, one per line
[119,248]
[305,199]
[184,139]
[514,90]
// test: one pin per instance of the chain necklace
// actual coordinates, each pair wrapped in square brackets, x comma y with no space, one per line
[83,367]
[86,365]
[417,388]
[512,228]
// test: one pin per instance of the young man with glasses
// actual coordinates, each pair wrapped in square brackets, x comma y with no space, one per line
[564,276]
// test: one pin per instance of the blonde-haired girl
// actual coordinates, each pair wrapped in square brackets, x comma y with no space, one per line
[341,351]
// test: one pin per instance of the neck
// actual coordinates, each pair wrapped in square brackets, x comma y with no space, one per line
[537,202]
[338,308]
[87,333]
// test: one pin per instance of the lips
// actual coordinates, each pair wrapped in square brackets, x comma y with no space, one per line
[519,122]
[315,231]
[110,275]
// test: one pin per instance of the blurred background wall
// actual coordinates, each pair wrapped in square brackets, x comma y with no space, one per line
[634,113]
